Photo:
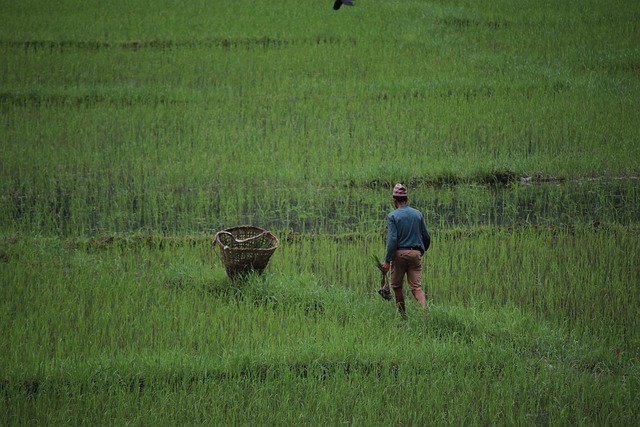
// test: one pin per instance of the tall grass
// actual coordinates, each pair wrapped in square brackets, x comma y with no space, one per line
[459,88]
[93,326]
[130,132]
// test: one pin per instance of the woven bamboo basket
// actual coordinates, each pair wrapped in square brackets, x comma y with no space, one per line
[245,249]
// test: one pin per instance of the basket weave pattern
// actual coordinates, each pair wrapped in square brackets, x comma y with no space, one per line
[245,249]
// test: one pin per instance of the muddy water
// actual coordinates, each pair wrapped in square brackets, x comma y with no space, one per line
[319,210]
[567,203]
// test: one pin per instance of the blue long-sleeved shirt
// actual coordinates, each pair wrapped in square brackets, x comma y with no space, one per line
[406,228]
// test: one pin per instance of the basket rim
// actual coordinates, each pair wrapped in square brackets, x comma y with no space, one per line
[276,242]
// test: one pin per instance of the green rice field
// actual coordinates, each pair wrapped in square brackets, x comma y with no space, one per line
[131,132]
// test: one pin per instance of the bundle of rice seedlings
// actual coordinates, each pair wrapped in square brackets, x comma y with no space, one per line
[384,291]
[376,261]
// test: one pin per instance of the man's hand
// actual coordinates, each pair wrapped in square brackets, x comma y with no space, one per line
[385,267]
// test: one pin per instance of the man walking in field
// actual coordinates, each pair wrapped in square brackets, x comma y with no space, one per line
[407,241]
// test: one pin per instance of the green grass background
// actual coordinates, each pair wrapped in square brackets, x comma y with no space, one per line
[131,131]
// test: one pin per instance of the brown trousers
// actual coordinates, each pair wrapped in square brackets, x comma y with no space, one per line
[407,262]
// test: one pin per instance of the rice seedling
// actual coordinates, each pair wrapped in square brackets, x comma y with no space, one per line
[130,140]
[150,318]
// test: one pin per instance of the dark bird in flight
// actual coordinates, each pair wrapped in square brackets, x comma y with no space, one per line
[339,3]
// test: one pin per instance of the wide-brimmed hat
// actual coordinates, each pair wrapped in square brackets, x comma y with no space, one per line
[399,191]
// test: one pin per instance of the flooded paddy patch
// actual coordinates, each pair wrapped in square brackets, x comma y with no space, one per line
[128,207]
